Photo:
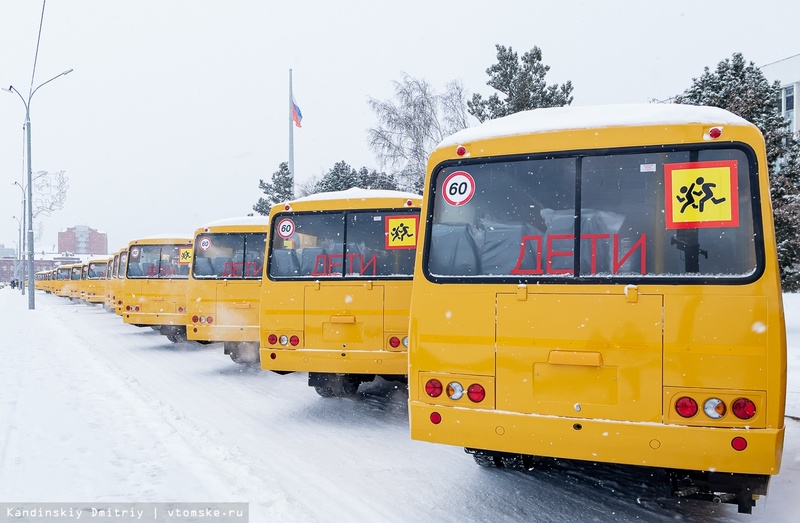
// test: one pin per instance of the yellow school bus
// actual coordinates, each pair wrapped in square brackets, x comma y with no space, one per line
[154,289]
[62,276]
[108,299]
[224,286]
[72,288]
[95,280]
[336,290]
[121,264]
[601,284]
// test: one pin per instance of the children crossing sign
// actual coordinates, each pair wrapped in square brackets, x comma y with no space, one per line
[701,194]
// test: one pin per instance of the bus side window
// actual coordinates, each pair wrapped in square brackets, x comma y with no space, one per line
[456,251]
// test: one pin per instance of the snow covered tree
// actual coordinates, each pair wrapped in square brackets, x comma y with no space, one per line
[279,190]
[741,88]
[411,126]
[522,81]
[342,177]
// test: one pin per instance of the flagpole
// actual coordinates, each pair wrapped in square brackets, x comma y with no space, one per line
[291,134]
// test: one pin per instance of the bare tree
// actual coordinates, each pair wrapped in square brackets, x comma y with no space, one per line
[413,124]
[50,192]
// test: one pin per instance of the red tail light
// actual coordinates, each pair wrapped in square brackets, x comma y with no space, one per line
[394,341]
[209,320]
[294,341]
[739,443]
[476,393]
[195,319]
[433,388]
[743,408]
[686,407]
[272,339]
[436,418]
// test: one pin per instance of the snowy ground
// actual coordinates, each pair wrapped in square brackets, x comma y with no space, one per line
[93,410]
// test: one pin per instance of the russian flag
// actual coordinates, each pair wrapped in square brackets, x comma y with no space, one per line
[297,116]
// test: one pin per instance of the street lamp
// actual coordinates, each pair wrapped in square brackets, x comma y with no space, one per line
[20,265]
[31,300]
[17,266]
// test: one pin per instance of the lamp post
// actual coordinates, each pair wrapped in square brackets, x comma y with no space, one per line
[20,268]
[17,265]
[31,300]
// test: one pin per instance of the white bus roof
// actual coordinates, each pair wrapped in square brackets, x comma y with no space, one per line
[590,117]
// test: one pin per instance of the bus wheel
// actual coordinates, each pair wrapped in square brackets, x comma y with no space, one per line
[484,458]
[334,385]
[246,353]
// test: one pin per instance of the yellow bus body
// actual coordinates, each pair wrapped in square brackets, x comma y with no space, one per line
[512,356]
[121,263]
[224,288]
[96,282]
[72,287]
[154,288]
[336,292]
[61,277]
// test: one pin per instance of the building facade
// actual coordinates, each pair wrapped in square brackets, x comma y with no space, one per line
[787,71]
[82,240]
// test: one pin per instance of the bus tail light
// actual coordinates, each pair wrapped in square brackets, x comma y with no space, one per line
[272,339]
[436,418]
[294,341]
[433,388]
[284,339]
[739,443]
[405,341]
[195,319]
[686,407]
[455,391]
[476,393]
[714,408]
[394,341]
[743,408]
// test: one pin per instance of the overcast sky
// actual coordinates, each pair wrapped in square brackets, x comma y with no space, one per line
[175,109]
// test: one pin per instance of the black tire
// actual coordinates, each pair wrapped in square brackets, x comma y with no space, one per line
[336,385]
[243,353]
[487,460]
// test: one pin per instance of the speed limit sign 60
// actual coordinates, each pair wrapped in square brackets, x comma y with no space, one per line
[458,188]
[285,228]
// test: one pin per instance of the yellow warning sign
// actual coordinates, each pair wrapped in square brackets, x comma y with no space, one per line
[401,231]
[185,255]
[701,194]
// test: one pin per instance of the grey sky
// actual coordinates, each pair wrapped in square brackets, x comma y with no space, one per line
[175,109]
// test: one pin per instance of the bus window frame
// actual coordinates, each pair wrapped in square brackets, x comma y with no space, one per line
[343,277]
[577,278]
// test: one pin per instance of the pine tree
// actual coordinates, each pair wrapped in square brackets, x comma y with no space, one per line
[742,89]
[523,84]
[342,177]
[280,190]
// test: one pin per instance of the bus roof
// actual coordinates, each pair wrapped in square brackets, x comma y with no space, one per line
[588,117]
[356,194]
[241,220]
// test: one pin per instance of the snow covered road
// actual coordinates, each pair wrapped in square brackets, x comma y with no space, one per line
[93,410]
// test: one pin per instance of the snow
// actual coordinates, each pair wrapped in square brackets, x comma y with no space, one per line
[240,220]
[356,193]
[586,117]
[98,412]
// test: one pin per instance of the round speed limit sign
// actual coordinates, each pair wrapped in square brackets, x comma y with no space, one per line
[285,228]
[458,188]
[205,243]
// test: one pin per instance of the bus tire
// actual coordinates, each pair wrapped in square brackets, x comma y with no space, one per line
[334,385]
[245,353]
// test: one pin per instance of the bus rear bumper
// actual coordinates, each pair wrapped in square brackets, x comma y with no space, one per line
[621,442]
[335,361]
